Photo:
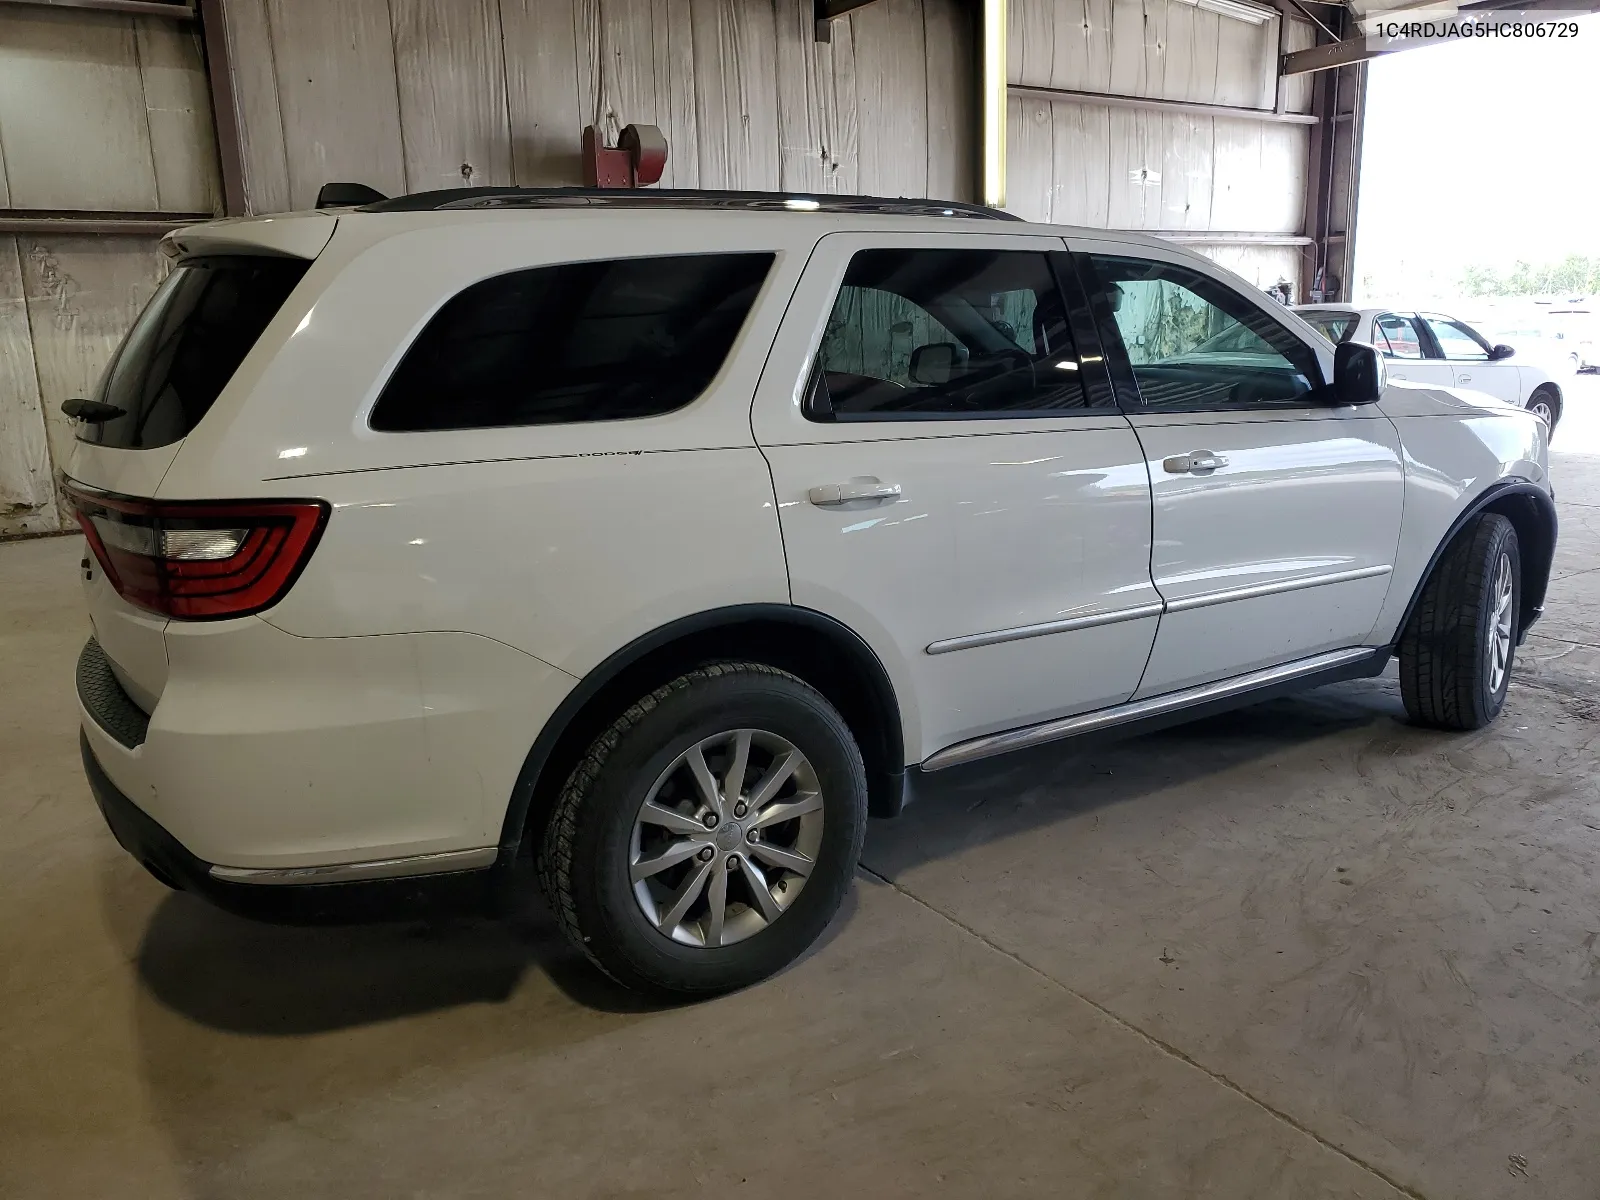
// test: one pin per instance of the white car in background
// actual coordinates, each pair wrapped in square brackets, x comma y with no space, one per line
[1441,351]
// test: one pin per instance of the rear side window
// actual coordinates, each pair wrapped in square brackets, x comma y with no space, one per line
[187,344]
[591,341]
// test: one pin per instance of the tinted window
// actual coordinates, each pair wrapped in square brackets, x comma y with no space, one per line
[593,341]
[187,344]
[946,333]
[1335,326]
[1195,343]
[1397,336]
[1456,340]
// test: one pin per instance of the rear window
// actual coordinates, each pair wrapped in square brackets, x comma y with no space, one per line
[187,344]
[1335,326]
[591,341]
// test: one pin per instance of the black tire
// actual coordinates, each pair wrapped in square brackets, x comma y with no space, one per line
[1546,396]
[1446,677]
[584,862]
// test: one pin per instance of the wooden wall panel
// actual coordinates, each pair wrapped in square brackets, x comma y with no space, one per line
[541,64]
[1030,158]
[257,113]
[338,95]
[893,98]
[951,36]
[1163,49]
[1261,266]
[177,107]
[1298,35]
[72,111]
[83,292]
[26,491]
[744,93]
[805,84]
[736,101]
[841,120]
[674,55]
[450,68]
[1082,193]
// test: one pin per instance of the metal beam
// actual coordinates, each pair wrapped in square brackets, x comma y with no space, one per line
[1184,106]
[143,8]
[829,11]
[52,220]
[224,112]
[1324,58]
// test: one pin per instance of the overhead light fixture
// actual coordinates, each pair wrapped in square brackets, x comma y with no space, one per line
[994,102]
[801,205]
[1237,9]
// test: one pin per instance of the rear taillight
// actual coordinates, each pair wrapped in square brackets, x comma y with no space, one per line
[199,561]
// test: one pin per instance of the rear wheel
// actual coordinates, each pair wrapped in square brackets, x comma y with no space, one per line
[1457,649]
[1546,404]
[709,835]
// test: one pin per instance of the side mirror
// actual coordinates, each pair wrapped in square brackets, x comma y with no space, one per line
[1358,374]
[934,363]
[1501,351]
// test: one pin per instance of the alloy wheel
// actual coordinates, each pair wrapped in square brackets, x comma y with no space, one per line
[1500,625]
[726,838]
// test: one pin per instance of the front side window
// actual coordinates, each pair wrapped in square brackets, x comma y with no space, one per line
[1397,336]
[946,334]
[1194,343]
[1456,340]
[589,341]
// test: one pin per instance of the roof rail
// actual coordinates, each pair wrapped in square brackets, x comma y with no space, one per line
[684,198]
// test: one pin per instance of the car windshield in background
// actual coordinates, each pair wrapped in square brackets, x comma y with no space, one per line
[1335,326]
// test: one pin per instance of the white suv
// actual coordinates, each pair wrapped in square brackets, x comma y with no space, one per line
[661,537]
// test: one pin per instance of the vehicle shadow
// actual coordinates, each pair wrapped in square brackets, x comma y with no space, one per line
[1015,794]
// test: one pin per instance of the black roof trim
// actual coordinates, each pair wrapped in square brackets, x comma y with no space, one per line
[684,198]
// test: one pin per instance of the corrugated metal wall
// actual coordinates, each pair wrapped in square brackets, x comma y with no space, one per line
[407,95]
[98,112]
[1076,161]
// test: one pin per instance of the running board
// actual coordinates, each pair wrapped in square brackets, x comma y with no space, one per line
[1173,707]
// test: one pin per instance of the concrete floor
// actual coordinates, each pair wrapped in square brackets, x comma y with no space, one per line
[1299,951]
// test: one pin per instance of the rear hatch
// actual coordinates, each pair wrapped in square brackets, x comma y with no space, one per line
[146,563]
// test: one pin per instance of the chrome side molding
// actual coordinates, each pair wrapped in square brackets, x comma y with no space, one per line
[1134,710]
[383,868]
[1091,621]
[1275,588]
[1158,608]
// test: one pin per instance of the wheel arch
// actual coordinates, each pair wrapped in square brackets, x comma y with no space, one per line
[819,649]
[1532,514]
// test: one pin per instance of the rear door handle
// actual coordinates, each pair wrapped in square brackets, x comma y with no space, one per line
[1465,379]
[857,489]
[1196,462]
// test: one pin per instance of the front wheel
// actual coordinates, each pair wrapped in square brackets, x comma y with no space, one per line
[709,835]
[1457,648]
[1545,404]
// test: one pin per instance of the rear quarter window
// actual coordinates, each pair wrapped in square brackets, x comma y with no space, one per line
[187,344]
[574,342]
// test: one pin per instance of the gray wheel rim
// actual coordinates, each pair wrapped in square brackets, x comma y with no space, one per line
[1543,409]
[726,838]
[1500,626]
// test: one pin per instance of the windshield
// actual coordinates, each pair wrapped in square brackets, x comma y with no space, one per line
[1335,326]
[187,344]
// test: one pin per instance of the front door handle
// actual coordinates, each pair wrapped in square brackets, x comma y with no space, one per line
[1464,379]
[857,489]
[1196,462]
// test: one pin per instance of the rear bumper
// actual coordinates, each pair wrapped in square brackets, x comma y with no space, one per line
[171,862]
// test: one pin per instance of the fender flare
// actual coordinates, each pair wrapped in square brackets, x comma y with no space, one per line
[891,748]
[1536,561]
